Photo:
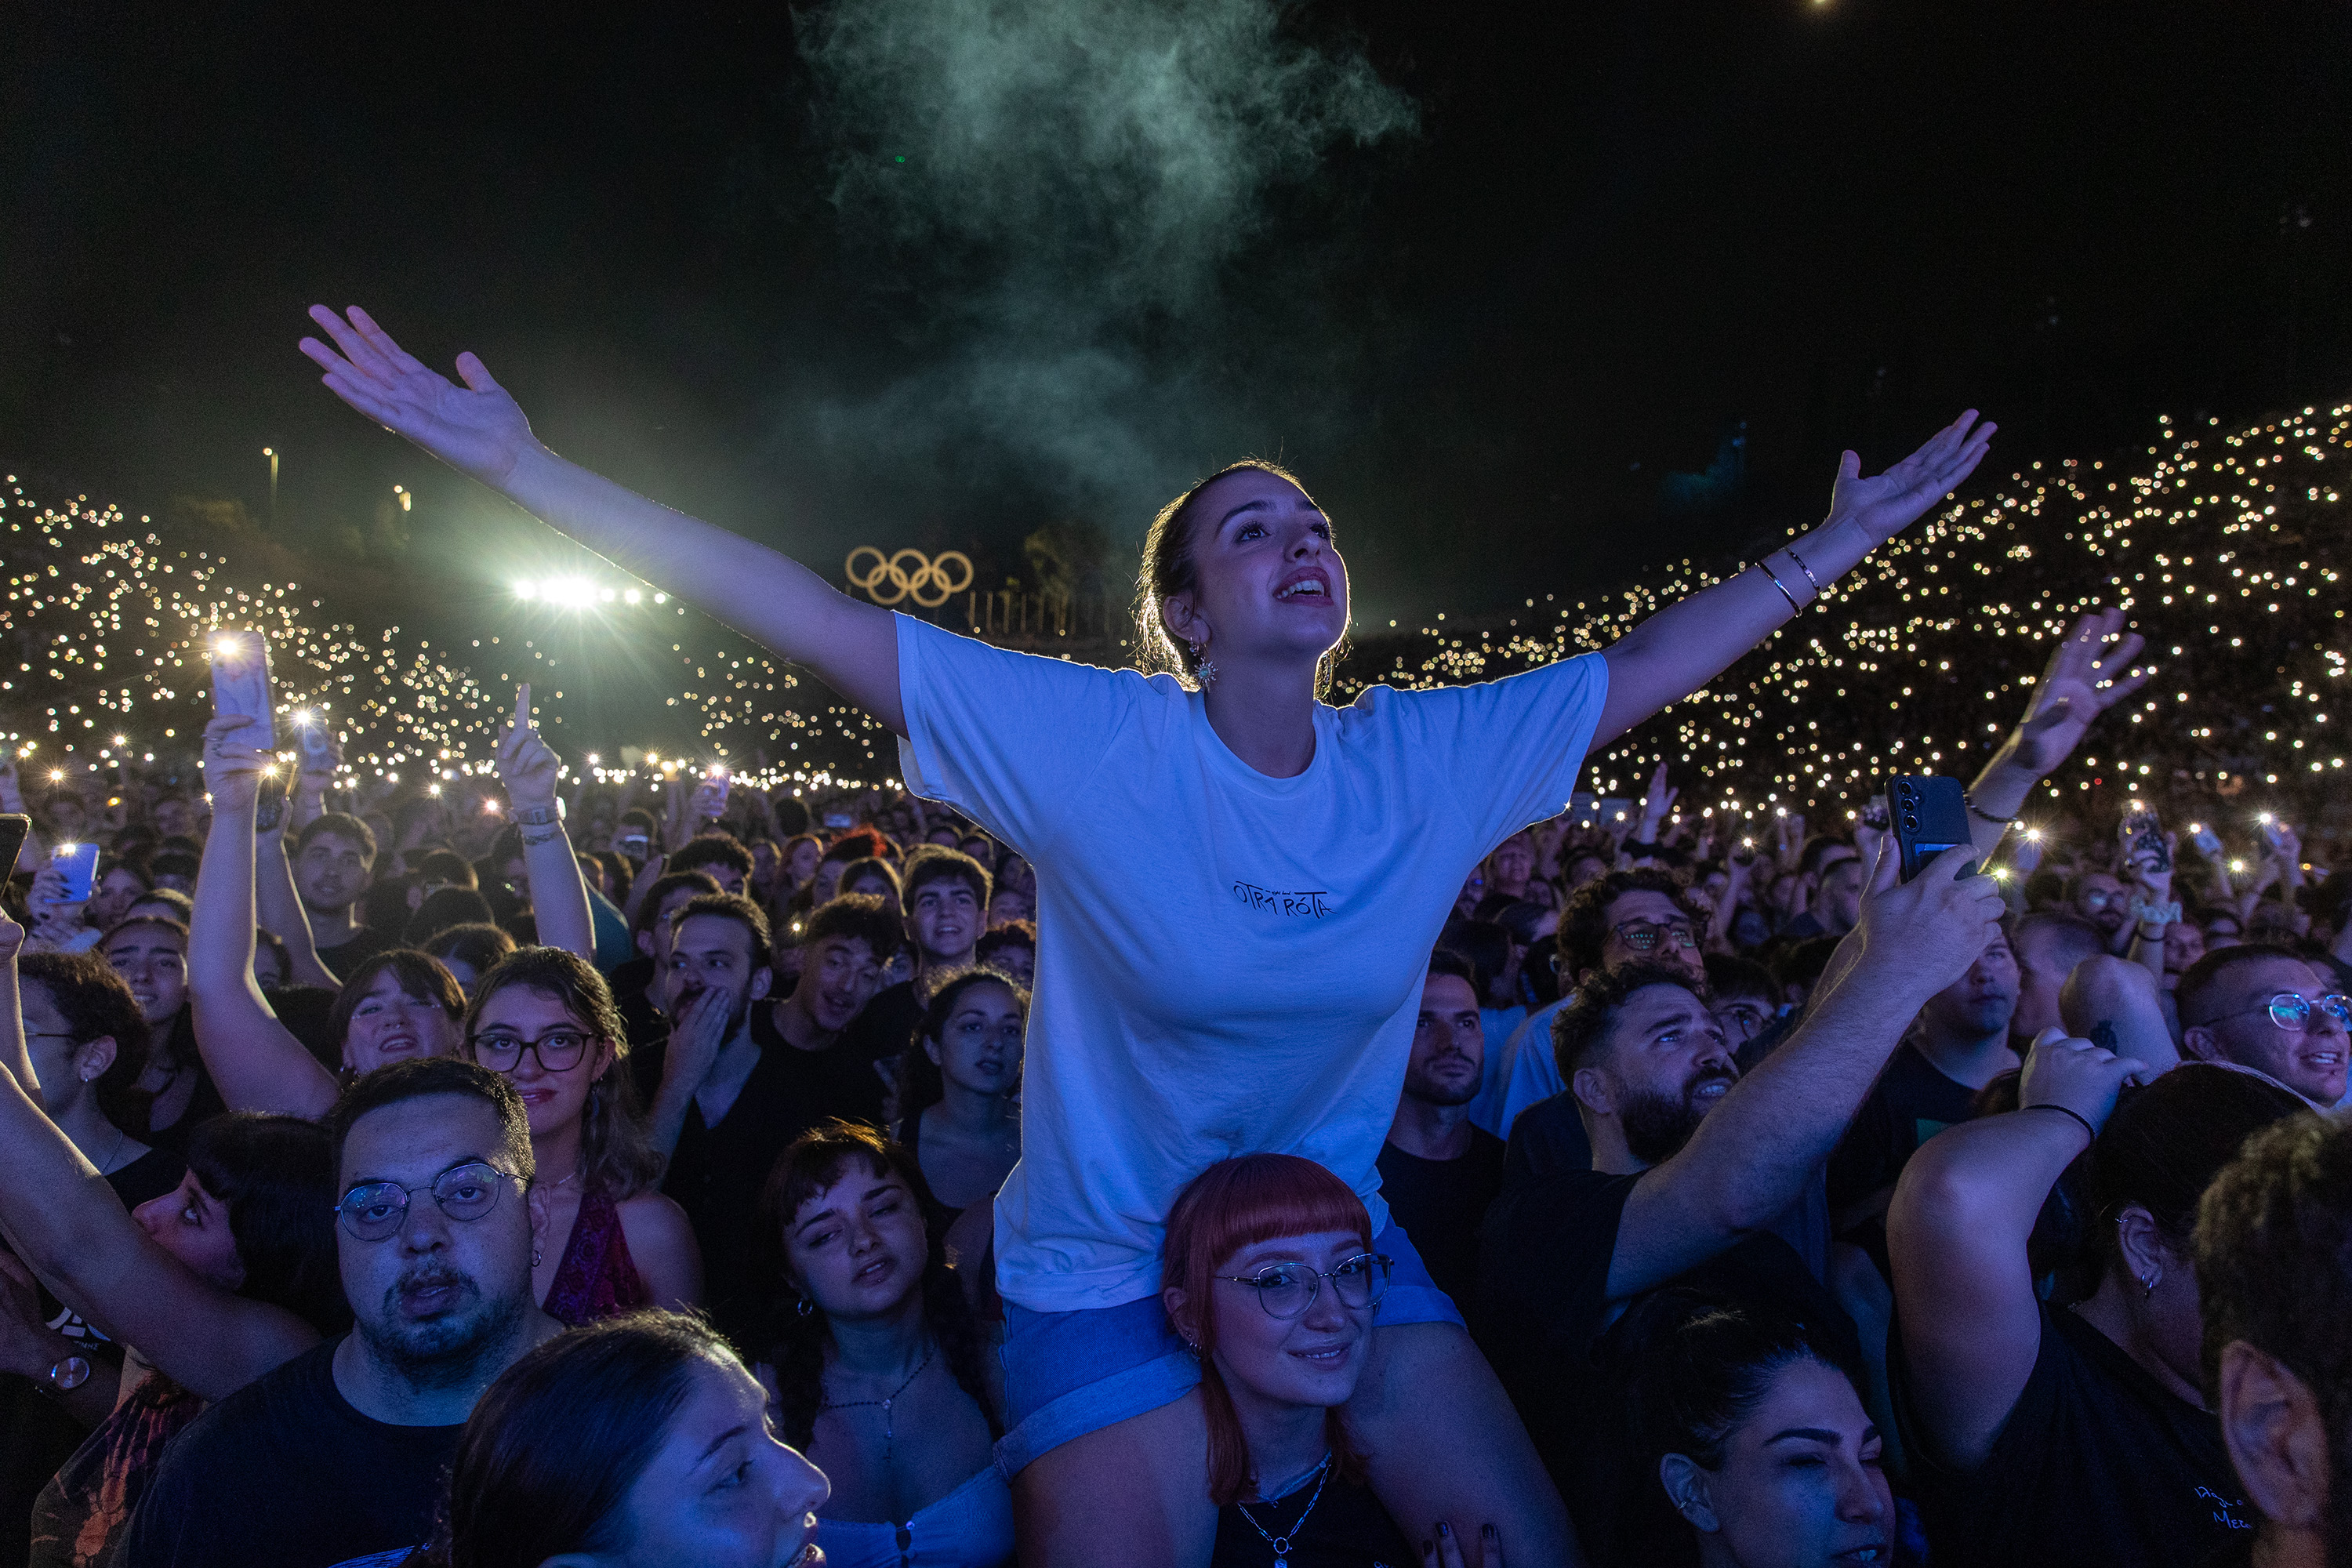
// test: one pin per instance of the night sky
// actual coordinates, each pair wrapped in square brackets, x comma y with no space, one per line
[1535,262]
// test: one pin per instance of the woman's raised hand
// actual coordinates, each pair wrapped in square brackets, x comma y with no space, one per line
[527,766]
[1890,502]
[2088,673]
[232,762]
[476,429]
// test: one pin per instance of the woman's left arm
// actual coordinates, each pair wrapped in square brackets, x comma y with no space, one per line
[1686,644]
[661,1243]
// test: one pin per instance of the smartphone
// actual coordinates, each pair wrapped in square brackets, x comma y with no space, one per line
[838,819]
[79,863]
[318,746]
[1616,808]
[14,827]
[2207,842]
[1876,814]
[270,804]
[2269,830]
[2142,837]
[241,679]
[1928,816]
[1581,806]
[635,846]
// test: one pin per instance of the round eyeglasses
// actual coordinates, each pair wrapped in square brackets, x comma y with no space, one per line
[374,1210]
[558,1050]
[1642,936]
[2293,1012]
[1287,1289]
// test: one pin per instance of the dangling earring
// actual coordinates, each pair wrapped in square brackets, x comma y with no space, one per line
[2146,1285]
[1204,671]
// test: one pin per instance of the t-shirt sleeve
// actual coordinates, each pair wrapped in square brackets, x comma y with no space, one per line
[1006,737]
[1545,1254]
[1513,747]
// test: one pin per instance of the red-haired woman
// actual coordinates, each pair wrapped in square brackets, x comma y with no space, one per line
[1270,1278]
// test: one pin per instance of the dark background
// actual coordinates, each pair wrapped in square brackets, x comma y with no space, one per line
[1615,240]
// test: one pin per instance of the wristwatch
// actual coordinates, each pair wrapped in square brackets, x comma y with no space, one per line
[539,816]
[68,1374]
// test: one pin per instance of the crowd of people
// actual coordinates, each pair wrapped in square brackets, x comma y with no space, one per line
[1395,1162]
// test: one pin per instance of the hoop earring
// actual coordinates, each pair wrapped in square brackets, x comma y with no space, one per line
[806,1307]
[535,1255]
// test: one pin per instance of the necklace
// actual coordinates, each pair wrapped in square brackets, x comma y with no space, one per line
[121,1139]
[1281,1543]
[887,1422]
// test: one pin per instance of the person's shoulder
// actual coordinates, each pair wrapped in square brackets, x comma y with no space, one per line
[264,1414]
[1486,1150]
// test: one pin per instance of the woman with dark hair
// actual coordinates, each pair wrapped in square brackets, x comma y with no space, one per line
[391,1006]
[959,1088]
[873,875]
[1271,1282]
[1008,948]
[151,953]
[224,1279]
[544,1018]
[2056,1434]
[876,1367]
[470,951]
[1758,1453]
[1302,857]
[640,1440]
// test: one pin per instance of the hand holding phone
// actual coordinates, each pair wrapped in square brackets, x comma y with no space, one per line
[77,863]
[2145,847]
[241,681]
[2207,842]
[1928,816]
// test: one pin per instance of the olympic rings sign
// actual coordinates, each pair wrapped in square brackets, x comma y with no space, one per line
[910,574]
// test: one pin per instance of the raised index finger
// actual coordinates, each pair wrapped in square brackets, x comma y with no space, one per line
[522,706]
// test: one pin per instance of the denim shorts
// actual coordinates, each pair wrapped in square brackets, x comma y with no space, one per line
[1069,1373]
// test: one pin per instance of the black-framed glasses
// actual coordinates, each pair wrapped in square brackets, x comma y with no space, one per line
[1743,1019]
[1288,1289]
[1642,936]
[558,1050]
[2293,1012]
[374,1210]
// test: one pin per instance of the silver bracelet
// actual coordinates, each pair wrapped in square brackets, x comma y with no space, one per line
[1794,608]
[1791,551]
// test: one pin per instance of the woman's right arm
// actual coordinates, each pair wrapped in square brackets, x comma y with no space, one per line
[1956,1234]
[480,430]
[66,1222]
[258,1065]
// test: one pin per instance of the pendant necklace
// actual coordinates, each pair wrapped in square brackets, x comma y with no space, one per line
[887,1422]
[1281,1543]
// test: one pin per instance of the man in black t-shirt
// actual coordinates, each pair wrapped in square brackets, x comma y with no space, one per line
[1958,1045]
[945,893]
[738,1079]
[332,859]
[1439,1173]
[339,1453]
[1699,1175]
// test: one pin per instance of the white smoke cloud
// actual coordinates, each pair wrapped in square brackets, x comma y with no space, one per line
[1078,202]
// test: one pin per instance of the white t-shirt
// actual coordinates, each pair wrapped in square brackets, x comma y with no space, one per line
[1227,964]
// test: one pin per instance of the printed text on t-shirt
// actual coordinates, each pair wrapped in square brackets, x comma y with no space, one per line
[1256,897]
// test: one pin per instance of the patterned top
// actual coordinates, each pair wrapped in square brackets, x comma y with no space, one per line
[82,1511]
[597,1279]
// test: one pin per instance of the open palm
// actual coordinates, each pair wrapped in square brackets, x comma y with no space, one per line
[2070,696]
[477,428]
[1890,502]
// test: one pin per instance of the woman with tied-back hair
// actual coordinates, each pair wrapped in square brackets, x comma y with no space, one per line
[880,1372]
[1263,995]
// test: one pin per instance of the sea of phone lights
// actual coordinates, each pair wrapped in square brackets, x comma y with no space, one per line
[2223,545]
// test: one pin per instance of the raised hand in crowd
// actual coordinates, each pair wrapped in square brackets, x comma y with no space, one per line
[253,1059]
[2090,671]
[529,769]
